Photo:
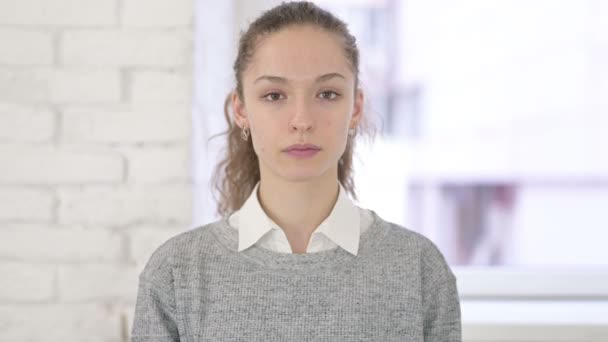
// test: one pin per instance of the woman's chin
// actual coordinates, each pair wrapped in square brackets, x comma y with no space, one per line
[300,172]
[300,177]
[304,174]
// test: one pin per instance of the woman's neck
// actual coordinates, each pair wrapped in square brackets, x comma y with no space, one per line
[298,207]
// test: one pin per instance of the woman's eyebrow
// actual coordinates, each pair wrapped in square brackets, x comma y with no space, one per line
[278,79]
[329,76]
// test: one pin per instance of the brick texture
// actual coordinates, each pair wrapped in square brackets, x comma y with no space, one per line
[95,159]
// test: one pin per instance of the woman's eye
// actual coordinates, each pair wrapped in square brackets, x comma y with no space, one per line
[328,95]
[272,97]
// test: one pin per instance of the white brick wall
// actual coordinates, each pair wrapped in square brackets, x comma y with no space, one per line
[159,124]
[157,164]
[26,204]
[24,282]
[59,13]
[160,86]
[125,205]
[59,86]
[25,47]
[48,165]
[48,243]
[20,123]
[91,322]
[128,47]
[144,238]
[159,13]
[85,283]
[95,129]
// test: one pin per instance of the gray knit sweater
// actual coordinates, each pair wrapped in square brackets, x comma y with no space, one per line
[198,287]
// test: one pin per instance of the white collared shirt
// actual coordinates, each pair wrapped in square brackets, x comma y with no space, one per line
[343,227]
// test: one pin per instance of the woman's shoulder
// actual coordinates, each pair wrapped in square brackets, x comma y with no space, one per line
[415,246]
[178,248]
[404,236]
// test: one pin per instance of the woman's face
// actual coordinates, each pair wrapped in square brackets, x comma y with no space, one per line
[298,89]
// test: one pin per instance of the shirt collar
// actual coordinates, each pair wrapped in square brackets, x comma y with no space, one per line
[342,226]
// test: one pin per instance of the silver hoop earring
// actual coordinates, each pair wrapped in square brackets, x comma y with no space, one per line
[244,134]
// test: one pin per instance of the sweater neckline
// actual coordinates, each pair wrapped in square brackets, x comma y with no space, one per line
[311,262]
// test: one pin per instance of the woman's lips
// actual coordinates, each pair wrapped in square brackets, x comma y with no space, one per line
[306,153]
[302,150]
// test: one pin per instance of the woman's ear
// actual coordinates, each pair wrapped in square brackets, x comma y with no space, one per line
[238,108]
[357,109]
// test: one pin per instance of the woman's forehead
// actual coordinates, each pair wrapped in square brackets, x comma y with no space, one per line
[299,53]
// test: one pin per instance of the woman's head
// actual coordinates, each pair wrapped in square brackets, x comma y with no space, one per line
[297,76]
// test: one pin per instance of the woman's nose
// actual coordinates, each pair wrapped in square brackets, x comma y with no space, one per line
[302,119]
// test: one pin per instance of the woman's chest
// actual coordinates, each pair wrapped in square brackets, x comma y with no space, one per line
[261,306]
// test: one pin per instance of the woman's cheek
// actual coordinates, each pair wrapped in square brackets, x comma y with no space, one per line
[261,145]
[329,123]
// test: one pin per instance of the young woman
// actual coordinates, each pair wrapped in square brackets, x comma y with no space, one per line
[293,258]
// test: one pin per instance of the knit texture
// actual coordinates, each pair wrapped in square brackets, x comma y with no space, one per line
[198,287]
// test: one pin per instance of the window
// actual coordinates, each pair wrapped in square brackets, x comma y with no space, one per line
[496,112]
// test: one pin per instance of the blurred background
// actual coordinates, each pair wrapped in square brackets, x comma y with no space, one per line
[493,130]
